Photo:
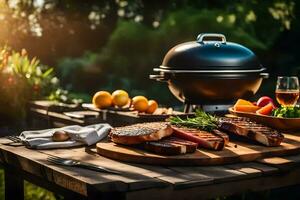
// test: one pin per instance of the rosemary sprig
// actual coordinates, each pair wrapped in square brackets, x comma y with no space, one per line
[202,120]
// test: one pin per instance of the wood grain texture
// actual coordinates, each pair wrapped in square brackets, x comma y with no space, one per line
[212,191]
[77,179]
[234,152]
[147,181]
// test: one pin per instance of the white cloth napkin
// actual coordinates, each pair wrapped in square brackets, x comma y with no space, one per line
[88,135]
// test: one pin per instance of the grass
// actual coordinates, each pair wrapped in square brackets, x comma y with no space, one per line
[32,192]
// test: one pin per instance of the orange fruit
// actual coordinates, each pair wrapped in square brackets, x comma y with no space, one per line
[140,103]
[243,102]
[246,108]
[152,106]
[102,99]
[266,110]
[120,98]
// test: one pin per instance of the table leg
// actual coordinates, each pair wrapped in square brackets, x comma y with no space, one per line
[14,185]
[93,194]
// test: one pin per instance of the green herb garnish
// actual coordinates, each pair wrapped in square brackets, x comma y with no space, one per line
[287,112]
[202,121]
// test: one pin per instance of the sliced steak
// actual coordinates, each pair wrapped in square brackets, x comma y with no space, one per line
[162,148]
[139,133]
[252,130]
[170,146]
[221,134]
[204,139]
[190,146]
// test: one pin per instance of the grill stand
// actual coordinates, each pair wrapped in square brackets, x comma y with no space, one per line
[219,109]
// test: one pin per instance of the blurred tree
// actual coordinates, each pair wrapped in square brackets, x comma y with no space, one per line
[134,49]
[54,29]
[51,29]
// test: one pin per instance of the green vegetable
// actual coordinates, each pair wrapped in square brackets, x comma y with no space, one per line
[202,120]
[287,112]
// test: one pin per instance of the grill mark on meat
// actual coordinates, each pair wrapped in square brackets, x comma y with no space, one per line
[171,146]
[164,148]
[139,129]
[140,133]
[203,138]
[252,130]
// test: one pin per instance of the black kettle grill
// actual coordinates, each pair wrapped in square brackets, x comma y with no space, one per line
[211,71]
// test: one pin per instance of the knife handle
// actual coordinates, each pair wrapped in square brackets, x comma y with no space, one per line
[96,168]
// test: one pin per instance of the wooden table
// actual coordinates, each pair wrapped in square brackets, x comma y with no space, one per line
[140,181]
[45,114]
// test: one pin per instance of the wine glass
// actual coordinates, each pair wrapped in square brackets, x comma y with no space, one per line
[287,90]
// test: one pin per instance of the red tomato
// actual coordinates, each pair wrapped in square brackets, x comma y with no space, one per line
[263,101]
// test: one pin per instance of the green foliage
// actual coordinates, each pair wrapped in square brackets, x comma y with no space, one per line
[63,96]
[22,79]
[142,11]
[32,192]
[134,49]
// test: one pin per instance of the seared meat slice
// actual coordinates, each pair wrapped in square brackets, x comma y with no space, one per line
[252,130]
[204,139]
[171,146]
[139,133]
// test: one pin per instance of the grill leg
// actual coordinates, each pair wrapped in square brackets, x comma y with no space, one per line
[187,108]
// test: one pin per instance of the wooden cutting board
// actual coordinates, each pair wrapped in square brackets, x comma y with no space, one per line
[236,151]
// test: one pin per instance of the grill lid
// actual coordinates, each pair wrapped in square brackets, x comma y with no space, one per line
[214,54]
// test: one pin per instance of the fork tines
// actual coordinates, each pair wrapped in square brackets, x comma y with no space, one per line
[14,138]
[56,160]
[17,139]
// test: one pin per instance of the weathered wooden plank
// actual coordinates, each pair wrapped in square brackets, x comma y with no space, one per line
[58,116]
[206,175]
[220,189]
[181,181]
[170,182]
[183,177]
[136,177]
[77,179]
[37,167]
[294,158]
[220,174]
[282,163]
[246,168]
[265,169]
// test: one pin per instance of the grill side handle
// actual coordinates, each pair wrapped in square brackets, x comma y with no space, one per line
[264,75]
[159,77]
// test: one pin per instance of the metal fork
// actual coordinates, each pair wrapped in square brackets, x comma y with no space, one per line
[76,163]
[14,138]
[17,139]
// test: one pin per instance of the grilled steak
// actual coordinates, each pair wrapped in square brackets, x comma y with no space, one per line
[202,138]
[190,146]
[222,134]
[139,133]
[171,146]
[252,130]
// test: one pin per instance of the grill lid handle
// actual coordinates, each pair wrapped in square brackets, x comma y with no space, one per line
[201,37]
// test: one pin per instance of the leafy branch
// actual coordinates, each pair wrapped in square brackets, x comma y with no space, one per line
[202,121]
